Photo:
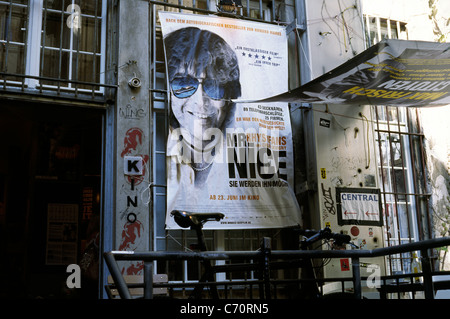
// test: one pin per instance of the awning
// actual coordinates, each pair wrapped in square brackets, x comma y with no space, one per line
[392,72]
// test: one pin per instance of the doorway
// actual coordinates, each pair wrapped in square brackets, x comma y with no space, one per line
[50,178]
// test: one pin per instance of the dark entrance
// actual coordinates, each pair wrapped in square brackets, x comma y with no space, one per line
[50,175]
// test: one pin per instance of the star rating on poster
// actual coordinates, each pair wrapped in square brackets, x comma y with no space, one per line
[257,56]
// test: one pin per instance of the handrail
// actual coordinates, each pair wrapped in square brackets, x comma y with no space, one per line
[265,254]
[377,252]
[286,254]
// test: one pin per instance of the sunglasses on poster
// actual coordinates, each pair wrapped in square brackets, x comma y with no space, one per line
[184,87]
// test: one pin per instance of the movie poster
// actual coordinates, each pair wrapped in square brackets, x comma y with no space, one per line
[392,72]
[222,156]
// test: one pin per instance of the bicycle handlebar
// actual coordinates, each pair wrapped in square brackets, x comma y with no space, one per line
[315,235]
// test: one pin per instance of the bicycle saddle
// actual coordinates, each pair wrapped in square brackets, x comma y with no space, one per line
[190,219]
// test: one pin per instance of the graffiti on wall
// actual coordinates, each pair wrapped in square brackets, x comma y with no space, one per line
[328,202]
[133,232]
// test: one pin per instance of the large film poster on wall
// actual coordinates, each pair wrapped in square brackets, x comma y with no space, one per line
[236,159]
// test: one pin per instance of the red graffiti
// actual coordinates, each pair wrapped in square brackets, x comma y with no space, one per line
[130,234]
[132,230]
[133,269]
[133,139]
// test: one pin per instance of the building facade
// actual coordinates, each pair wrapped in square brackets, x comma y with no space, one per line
[84,108]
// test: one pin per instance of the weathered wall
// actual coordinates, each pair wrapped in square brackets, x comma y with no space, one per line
[335,33]
[133,134]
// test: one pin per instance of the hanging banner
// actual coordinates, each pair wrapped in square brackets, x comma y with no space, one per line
[226,157]
[392,72]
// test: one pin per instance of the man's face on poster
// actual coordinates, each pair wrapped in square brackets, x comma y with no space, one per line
[203,77]
[197,103]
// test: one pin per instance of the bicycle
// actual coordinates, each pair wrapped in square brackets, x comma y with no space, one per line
[310,290]
[195,221]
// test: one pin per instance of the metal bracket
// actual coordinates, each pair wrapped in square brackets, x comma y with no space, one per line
[294,26]
[295,106]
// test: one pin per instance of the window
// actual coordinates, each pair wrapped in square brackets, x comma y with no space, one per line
[403,186]
[71,41]
[53,44]
[13,37]
[378,29]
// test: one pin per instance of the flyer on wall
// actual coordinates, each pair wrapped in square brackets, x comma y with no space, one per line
[226,157]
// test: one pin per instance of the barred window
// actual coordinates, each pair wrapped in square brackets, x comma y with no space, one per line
[378,29]
[13,37]
[71,41]
[53,44]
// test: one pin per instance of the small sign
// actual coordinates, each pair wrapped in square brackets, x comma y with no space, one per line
[133,165]
[359,206]
[324,122]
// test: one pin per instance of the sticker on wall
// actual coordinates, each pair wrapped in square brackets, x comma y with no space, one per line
[133,165]
[362,244]
[354,231]
[323,173]
[325,122]
[345,264]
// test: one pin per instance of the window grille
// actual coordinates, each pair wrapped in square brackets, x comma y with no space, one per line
[377,29]
[71,42]
[13,37]
[53,46]
[403,185]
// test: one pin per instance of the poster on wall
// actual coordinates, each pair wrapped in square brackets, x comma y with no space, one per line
[226,157]
[392,72]
[62,234]
[359,206]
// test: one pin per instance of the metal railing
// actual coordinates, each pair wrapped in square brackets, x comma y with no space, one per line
[264,258]
[82,91]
